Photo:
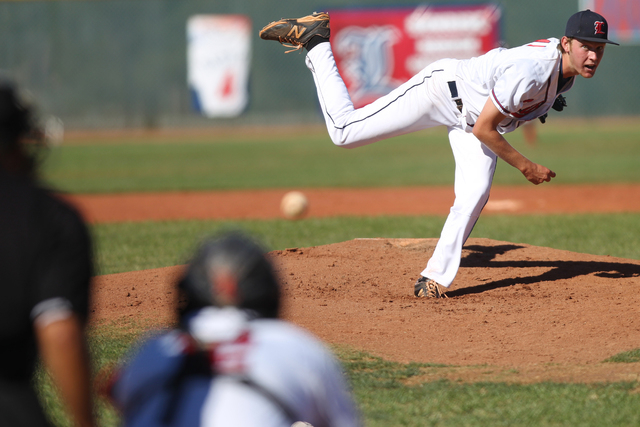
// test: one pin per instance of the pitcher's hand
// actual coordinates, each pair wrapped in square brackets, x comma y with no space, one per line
[537,174]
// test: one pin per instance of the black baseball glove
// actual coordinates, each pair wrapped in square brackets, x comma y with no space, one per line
[558,105]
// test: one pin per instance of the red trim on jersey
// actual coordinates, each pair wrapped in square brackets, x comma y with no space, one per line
[523,111]
[502,109]
[539,41]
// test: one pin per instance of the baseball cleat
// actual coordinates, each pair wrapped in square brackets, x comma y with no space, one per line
[296,33]
[427,288]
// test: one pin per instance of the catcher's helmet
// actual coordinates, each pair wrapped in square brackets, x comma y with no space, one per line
[258,288]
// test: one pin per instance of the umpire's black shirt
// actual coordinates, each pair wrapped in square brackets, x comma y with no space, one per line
[45,261]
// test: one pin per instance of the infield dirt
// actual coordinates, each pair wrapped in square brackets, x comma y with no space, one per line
[515,312]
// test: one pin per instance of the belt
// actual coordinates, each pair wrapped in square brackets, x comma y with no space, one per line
[454,95]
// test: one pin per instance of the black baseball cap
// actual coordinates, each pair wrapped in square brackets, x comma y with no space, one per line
[589,26]
[15,116]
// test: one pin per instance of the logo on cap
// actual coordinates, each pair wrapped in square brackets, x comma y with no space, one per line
[598,26]
[589,26]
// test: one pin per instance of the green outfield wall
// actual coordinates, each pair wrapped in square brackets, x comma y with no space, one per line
[122,63]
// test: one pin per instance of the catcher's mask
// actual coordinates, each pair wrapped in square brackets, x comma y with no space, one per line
[257,286]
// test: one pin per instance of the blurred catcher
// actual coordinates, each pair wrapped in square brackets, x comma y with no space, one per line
[46,267]
[232,362]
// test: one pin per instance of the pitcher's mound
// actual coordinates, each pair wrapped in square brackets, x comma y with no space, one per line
[510,305]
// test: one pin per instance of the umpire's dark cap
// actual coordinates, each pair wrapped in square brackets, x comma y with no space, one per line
[589,26]
[15,115]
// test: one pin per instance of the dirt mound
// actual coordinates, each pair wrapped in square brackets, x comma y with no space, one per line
[539,310]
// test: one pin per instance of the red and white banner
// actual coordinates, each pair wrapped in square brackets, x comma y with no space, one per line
[218,59]
[623,17]
[378,49]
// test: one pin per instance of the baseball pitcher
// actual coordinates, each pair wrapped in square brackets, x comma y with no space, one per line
[479,100]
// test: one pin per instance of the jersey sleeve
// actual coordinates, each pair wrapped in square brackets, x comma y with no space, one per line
[516,89]
[64,267]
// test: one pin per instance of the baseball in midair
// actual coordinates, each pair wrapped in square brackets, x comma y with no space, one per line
[301,424]
[294,205]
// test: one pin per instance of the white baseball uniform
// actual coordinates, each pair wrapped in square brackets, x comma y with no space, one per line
[268,373]
[522,82]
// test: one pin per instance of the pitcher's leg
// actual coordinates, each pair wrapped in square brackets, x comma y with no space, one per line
[475,166]
[418,104]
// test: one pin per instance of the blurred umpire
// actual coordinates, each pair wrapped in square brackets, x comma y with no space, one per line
[45,271]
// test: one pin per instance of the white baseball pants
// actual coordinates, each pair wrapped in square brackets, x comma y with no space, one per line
[424,101]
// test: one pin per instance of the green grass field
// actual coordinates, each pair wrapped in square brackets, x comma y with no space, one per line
[584,153]
[143,245]
[580,152]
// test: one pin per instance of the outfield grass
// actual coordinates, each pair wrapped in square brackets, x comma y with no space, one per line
[144,245]
[138,246]
[586,152]
[578,153]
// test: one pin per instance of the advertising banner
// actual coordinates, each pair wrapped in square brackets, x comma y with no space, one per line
[378,49]
[218,61]
[623,17]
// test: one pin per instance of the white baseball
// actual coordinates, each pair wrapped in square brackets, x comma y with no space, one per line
[301,424]
[294,205]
